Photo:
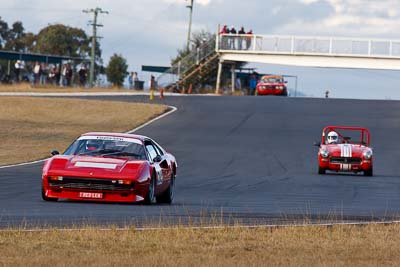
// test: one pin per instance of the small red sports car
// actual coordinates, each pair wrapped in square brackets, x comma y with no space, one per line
[271,85]
[110,167]
[345,149]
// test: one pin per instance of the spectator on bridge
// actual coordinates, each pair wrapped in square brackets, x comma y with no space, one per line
[233,38]
[224,39]
[240,39]
[248,39]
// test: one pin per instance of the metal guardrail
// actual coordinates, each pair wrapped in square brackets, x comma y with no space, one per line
[197,55]
[325,46]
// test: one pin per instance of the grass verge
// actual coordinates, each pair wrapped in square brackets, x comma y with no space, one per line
[28,88]
[31,127]
[341,245]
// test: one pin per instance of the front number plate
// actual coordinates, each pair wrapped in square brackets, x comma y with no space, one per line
[90,195]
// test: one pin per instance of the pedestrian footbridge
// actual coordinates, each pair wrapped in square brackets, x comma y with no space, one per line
[309,51]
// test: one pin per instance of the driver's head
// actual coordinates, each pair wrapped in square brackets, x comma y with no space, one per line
[92,145]
[332,137]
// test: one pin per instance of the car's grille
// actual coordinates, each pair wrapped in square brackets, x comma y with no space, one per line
[345,160]
[90,184]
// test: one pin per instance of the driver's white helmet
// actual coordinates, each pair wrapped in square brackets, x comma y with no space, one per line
[332,137]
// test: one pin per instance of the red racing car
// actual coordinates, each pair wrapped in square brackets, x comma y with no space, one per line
[110,167]
[345,149]
[271,85]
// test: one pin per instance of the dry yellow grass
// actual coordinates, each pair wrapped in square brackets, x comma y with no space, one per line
[31,127]
[28,88]
[374,245]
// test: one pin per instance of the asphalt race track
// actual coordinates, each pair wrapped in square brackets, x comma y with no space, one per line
[245,159]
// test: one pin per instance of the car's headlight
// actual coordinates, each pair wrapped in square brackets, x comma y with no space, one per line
[367,154]
[324,153]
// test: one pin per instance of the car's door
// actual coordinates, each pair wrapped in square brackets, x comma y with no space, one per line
[159,162]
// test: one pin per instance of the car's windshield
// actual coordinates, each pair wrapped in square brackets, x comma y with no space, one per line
[107,147]
[349,136]
[272,80]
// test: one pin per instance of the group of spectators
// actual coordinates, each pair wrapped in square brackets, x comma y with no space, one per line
[49,74]
[235,40]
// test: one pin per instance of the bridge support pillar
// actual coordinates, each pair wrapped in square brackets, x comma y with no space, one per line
[218,85]
[233,77]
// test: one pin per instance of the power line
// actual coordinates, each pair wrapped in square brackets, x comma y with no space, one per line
[95,12]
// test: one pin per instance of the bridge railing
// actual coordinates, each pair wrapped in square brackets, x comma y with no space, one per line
[196,55]
[328,46]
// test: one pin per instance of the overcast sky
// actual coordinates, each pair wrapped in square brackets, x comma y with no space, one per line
[148,32]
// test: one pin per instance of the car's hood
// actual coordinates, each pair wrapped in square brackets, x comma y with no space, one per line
[92,166]
[346,150]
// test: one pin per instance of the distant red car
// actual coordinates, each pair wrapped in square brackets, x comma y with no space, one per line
[110,167]
[271,85]
[345,149]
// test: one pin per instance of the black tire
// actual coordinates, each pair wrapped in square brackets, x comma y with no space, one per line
[47,198]
[321,170]
[368,172]
[150,197]
[168,195]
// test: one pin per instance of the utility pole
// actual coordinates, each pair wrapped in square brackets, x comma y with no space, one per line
[95,12]
[190,6]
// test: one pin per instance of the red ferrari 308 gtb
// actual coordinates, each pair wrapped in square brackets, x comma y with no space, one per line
[110,167]
[345,149]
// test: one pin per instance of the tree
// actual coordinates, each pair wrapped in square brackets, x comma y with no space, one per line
[3,33]
[18,40]
[116,70]
[62,40]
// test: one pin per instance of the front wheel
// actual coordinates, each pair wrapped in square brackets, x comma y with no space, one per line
[168,195]
[150,197]
[368,172]
[321,170]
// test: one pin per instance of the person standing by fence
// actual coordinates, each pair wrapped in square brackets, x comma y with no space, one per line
[248,39]
[240,39]
[37,72]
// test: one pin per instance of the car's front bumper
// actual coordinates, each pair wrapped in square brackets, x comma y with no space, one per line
[364,165]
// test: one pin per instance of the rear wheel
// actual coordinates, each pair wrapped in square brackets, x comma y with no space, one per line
[150,197]
[45,198]
[368,172]
[168,195]
[321,170]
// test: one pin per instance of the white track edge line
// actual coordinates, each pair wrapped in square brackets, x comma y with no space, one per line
[267,226]
[173,109]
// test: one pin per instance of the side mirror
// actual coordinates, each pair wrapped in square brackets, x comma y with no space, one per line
[157,158]
[317,144]
[55,152]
